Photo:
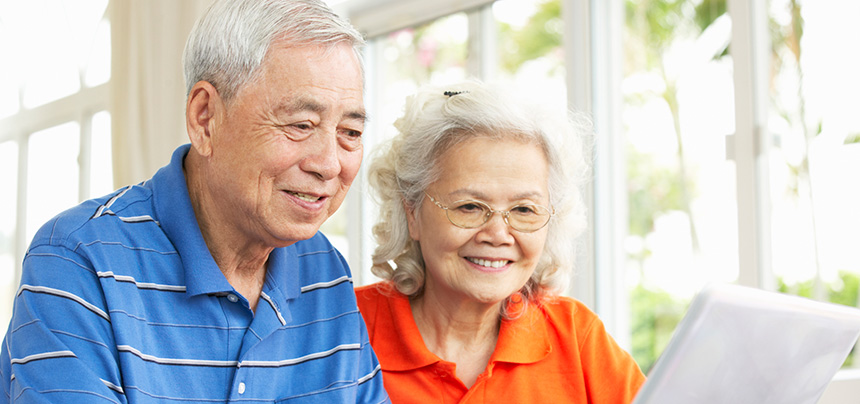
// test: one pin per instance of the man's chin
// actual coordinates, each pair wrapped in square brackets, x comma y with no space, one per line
[295,232]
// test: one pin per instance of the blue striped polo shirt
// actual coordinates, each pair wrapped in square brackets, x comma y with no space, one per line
[121,302]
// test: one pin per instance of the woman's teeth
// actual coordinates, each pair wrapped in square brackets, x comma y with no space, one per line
[304,197]
[488,263]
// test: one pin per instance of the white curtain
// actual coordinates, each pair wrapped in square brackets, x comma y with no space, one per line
[147,86]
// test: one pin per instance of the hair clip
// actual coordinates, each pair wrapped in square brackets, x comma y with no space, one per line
[452,93]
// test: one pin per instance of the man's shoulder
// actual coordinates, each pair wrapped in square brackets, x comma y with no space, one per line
[104,219]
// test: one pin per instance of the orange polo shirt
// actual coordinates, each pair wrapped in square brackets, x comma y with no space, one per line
[556,353]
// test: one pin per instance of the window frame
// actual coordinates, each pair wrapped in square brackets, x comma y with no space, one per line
[79,107]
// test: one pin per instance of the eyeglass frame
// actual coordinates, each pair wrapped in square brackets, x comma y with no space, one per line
[488,216]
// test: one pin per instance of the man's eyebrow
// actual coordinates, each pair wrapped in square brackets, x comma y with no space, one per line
[305,104]
[358,115]
[300,104]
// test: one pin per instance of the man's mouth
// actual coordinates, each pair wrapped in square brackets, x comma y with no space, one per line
[488,263]
[304,197]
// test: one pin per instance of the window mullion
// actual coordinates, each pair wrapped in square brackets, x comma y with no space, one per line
[483,52]
[85,155]
[21,242]
[748,146]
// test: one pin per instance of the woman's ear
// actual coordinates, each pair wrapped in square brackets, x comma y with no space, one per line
[201,111]
[412,221]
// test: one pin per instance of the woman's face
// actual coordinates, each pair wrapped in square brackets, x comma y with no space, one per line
[488,263]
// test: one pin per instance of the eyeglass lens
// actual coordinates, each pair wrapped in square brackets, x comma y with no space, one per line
[471,214]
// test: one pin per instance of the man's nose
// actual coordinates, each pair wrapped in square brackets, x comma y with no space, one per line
[322,155]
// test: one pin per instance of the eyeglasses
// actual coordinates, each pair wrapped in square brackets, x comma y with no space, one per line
[469,214]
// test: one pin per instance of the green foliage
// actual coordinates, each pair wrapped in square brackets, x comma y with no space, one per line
[709,10]
[656,313]
[654,24]
[855,138]
[652,190]
[845,290]
[655,316]
[539,37]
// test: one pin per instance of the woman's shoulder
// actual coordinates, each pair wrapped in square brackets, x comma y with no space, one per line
[370,297]
[566,306]
[568,314]
[375,290]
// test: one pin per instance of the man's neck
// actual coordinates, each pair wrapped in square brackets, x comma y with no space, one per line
[242,261]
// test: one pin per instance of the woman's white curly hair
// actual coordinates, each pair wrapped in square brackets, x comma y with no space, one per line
[437,119]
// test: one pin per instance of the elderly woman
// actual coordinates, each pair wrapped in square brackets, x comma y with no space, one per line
[480,210]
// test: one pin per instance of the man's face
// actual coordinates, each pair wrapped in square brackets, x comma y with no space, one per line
[288,146]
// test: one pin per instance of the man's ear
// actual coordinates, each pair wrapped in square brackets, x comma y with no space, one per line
[412,222]
[201,116]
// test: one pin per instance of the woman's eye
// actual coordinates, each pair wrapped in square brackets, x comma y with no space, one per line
[524,210]
[469,207]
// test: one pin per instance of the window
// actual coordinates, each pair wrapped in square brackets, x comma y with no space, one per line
[814,152]
[55,147]
[679,104]
[681,196]
[678,108]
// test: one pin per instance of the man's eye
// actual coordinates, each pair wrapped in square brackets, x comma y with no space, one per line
[350,133]
[349,139]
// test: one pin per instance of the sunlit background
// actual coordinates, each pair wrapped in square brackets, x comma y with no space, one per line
[672,132]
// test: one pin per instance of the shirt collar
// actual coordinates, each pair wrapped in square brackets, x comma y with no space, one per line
[523,340]
[403,343]
[176,216]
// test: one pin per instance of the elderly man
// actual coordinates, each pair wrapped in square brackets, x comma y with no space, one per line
[210,281]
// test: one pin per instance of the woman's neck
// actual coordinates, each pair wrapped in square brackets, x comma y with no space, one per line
[462,333]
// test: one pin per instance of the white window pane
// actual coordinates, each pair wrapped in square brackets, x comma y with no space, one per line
[52,174]
[101,163]
[529,47]
[83,22]
[815,157]
[678,106]
[52,59]
[98,64]
[431,53]
[8,206]
[47,56]
[9,74]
